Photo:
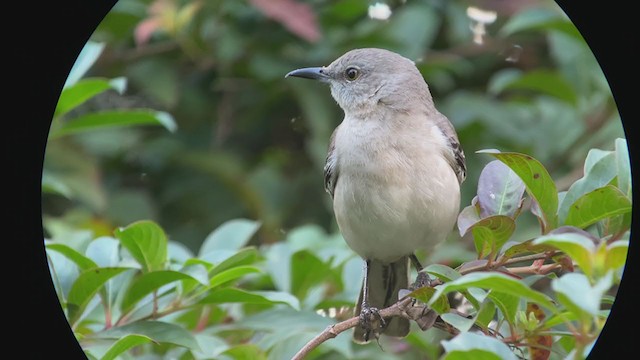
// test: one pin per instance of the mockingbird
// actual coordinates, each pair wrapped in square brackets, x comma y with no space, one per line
[393,169]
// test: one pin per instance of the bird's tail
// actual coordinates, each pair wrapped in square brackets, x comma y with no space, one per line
[385,280]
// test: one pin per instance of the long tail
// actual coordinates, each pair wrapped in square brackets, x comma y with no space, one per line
[384,281]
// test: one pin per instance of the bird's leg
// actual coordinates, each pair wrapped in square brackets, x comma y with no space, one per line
[423,278]
[367,313]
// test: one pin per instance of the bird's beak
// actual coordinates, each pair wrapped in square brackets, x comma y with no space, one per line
[315,73]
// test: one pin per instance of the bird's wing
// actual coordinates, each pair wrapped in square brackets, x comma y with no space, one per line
[330,170]
[454,155]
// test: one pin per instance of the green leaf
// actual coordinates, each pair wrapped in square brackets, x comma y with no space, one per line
[599,170]
[231,274]
[537,180]
[575,292]
[233,295]
[245,256]
[596,205]
[87,57]
[623,167]
[147,283]
[157,331]
[500,190]
[443,272]
[546,82]
[123,344]
[231,235]
[536,19]
[579,248]
[83,262]
[525,247]
[616,254]
[507,303]
[306,272]
[468,345]
[114,118]
[467,217]
[497,282]
[246,351]
[84,90]
[85,287]
[457,321]
[486,313]
[490,233]
[425,294]
[147,243]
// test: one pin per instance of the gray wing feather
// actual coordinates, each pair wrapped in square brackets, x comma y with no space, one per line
[330,170]
[455,156]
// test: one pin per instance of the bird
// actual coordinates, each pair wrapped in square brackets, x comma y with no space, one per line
[394,170]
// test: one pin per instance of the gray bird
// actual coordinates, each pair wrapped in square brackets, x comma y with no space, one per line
[394,170]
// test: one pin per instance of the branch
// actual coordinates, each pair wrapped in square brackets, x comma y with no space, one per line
[421,314]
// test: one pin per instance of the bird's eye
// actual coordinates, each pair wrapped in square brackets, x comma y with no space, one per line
[351,73]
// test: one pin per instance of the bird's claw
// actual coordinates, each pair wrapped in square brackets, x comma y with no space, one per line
[371,320]
[422,280]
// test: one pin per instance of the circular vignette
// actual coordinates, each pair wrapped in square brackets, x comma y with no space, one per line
[57,35]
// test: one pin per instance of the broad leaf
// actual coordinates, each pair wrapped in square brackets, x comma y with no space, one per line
[469,345]
[232,274]
[507,303]
[147,283]
[490,233]
[623,167]
[146,242]
[87,57]
[233,295]
[467,217]
[537,180]
[425,294]
[114,118]
[157,331]
[83,262]
[539,18]
[123,344]
[599,170]
[500,190]
[231,235]
[596,205]
[496,282]
[245,256]
[579,248]
[616,254]
[443,272]
[576,292]
[546,82]
[85,89]
[85,287]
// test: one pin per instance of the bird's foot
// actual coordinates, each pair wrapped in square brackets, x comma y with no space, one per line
[422,280]
[371,321]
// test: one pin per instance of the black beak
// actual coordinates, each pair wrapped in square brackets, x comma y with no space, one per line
[315,73]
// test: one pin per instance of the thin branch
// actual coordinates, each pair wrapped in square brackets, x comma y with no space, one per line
[421,314]
[424,316]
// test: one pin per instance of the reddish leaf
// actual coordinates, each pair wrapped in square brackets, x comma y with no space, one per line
[540,348]
[143,31]
[298,18]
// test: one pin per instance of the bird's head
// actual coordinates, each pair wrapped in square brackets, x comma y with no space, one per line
[362,80]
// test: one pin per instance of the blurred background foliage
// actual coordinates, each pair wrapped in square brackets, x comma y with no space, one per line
[250,144]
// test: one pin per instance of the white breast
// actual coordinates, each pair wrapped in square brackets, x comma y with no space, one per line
[395,191]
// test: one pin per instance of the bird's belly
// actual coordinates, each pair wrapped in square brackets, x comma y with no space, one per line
[386,210]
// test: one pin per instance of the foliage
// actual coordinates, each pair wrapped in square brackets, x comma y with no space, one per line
[175,120]
[137,288]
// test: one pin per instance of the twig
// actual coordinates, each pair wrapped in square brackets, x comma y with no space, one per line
[424,316]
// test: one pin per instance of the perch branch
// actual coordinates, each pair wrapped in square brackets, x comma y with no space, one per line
[421,314]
